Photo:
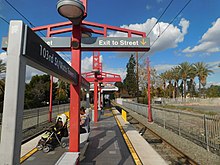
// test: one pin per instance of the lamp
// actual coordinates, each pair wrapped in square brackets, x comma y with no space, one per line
[71,9]
[86,34]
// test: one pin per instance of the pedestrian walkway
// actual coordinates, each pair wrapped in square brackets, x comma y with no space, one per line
[106,144]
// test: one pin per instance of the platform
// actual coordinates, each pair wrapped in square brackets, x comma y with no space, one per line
[111,141]
[106,144]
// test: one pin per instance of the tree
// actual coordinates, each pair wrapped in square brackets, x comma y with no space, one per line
[120,86]
[61,92]
[130,80]
[213,91]
[202,71]
[169,77]
[176,77]
[163,77]
[37,92]
[185,69]
[192,84]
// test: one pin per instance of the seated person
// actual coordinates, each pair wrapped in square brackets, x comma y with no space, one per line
[84,121]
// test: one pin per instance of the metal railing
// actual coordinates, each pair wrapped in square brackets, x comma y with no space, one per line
[36,116]
[201,129]
[33,118]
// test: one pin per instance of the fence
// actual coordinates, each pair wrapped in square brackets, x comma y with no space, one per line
[201,101]
[32,118]
[201,129]
[36,116]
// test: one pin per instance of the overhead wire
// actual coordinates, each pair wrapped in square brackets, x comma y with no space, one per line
[171,22]
[156,24]
[168,26]
[19,13]
[4,20]
[27,21]
[160,17]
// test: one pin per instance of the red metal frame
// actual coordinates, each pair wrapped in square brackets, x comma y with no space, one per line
[96,28]
[102,77]
[150,119]
[75,94]
[96,61]
[97,77]
[51,29]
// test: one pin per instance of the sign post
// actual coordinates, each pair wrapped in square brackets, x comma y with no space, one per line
[11,135]
[25,48]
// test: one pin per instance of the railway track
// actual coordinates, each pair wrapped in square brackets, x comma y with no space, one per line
[172,147]
[168,152]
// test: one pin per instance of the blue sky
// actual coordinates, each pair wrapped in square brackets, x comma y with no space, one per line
[192,37]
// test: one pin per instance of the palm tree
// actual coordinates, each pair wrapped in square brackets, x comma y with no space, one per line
[163,77]
[192,75]
[184,70]
[202,71]
[169,77]
[176,77]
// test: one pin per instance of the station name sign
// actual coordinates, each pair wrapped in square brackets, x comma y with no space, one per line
[39,52]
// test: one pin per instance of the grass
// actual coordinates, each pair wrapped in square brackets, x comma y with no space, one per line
[189,109]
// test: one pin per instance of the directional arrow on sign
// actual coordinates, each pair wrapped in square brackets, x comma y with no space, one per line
[143,42]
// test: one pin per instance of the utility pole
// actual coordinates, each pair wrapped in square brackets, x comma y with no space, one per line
[148,85]
[137,77]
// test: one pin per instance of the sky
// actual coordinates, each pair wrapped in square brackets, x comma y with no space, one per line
[193,36]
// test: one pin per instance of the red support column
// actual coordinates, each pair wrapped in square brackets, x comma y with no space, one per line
[74,140]
[149,103]
[51,89]
[51,99]
[100,100]
[96,100]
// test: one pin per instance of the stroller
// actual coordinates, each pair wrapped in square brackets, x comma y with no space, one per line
[51,138]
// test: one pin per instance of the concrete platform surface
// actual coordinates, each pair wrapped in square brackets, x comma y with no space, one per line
[143,149]
[106,144]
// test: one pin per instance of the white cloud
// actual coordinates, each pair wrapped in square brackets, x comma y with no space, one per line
[214,66]
[163,67]
[30,72]
[209,42]
[119,71]
[86,64]
[170,38]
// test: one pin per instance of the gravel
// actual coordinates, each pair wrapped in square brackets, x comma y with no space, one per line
[190,149]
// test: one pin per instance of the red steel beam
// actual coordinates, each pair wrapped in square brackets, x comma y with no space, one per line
[103,77]
[103,32]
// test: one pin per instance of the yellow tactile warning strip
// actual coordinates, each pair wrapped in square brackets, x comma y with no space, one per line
[26,156]
[124,115]
[128,142]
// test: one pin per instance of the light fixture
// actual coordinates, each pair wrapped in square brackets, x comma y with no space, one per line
[71,9]
[85,32]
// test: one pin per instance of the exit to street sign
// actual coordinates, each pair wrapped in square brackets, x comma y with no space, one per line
[96,43]
[115,43]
